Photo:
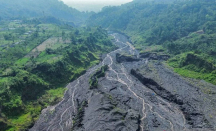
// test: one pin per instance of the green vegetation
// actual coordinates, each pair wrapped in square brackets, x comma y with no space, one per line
[154,23]
[79,117]
[18,9]
[186,30]
[194,66]
[93,82]
[34,72]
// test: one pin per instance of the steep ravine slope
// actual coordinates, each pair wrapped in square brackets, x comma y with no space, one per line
[133,94]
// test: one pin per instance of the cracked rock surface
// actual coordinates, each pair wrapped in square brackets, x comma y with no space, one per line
[135,94]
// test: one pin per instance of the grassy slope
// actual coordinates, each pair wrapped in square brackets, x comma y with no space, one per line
[194,65]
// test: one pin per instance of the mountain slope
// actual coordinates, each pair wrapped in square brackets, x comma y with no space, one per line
[156,23]
[39,8]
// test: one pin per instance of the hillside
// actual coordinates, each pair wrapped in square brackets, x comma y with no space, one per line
[176,28]
[37,61]
[17,9]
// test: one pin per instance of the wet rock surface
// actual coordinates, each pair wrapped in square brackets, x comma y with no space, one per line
[132,94]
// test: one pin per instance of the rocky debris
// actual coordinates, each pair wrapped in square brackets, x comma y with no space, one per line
[194,116]
[162,92]
[155,100]
[155,122]
[191,109]
[104,113]
[154,56]
[124,58]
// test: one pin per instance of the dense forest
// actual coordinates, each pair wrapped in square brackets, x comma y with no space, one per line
[181,28]
[16,9]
